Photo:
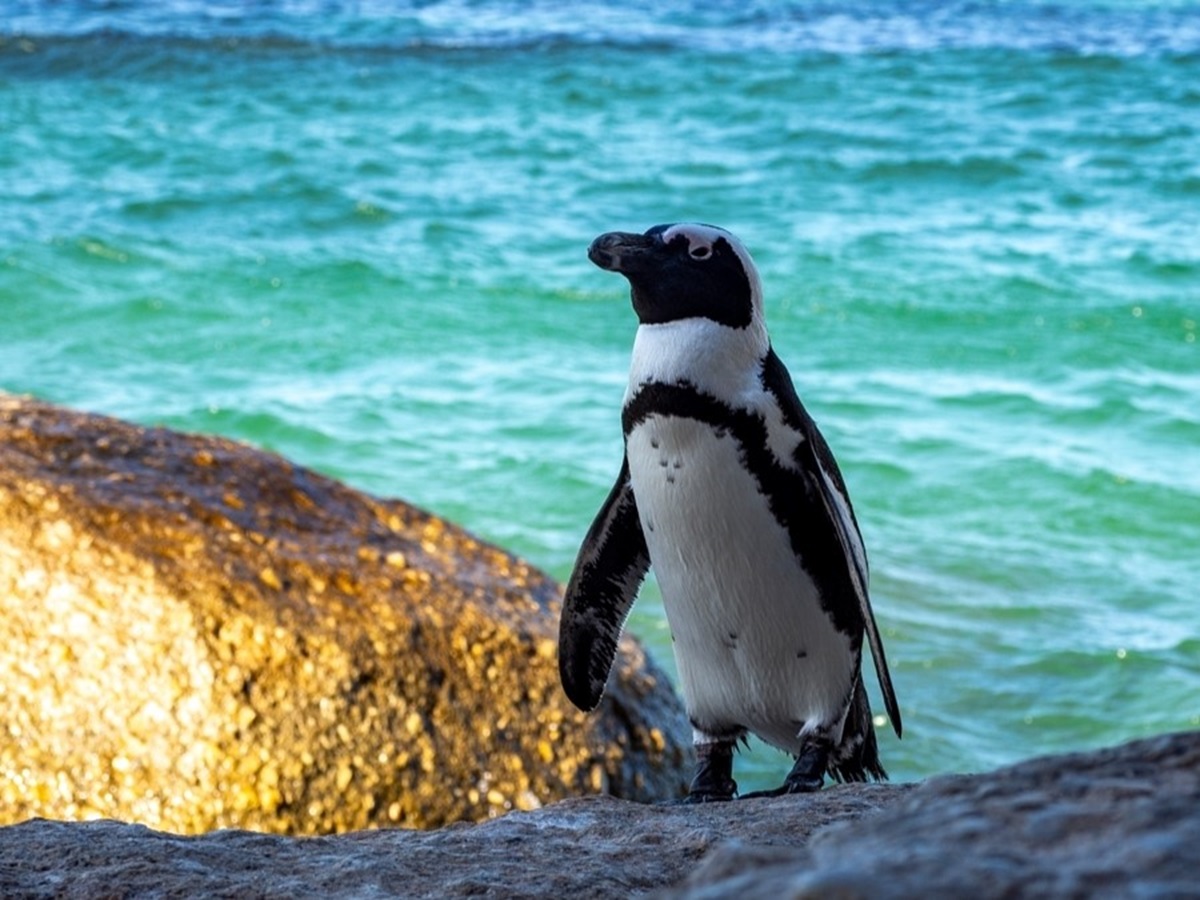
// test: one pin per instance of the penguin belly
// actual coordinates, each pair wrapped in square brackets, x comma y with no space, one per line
[753,646]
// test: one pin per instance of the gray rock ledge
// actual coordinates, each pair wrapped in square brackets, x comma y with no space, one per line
[1121,822]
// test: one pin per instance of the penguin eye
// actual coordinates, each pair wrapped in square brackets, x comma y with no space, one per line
[701,251]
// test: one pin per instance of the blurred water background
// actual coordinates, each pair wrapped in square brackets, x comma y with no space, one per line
[354,233]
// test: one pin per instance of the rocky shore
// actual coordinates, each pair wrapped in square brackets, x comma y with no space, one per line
[281,680]
[1119,823]
[196,634]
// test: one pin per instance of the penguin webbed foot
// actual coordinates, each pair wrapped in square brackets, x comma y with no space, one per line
[713,782]
[807,775]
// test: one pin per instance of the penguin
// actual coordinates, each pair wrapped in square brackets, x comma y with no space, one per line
[730,492]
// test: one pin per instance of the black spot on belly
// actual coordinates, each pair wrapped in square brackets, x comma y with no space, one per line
[654,443]
[730,641]
[802,654]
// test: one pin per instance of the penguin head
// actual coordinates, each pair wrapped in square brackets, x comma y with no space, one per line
[684,271]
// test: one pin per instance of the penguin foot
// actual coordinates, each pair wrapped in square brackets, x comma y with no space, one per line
[807,775]
[714,774]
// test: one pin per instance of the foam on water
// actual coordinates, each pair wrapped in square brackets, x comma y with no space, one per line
[1090,28]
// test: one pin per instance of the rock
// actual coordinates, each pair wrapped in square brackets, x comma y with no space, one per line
[1119,823]
[591,847]
[1123,822]
[195,634]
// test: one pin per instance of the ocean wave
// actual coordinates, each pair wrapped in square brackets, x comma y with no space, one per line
[980,170]
[1069,29]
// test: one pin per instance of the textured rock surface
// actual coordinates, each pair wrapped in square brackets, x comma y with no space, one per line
[593,847]
[1118,823]
[1123,822]
[195,634]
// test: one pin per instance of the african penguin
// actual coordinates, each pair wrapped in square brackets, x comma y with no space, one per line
[729,490]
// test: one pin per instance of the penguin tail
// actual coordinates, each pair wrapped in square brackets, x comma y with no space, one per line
[856,757]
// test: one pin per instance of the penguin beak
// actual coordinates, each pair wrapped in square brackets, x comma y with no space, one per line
[620,251]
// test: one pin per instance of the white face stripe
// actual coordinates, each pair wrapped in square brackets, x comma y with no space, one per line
[699,237]
[705,236]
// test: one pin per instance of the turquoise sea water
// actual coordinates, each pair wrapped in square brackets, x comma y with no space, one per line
[354,233]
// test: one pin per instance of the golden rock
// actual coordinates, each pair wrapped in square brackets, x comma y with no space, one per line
[162,663]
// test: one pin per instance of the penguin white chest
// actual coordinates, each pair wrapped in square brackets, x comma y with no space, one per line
[753,646]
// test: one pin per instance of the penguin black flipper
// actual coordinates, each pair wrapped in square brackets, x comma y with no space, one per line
[816,458]
[608,571]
